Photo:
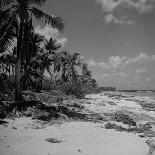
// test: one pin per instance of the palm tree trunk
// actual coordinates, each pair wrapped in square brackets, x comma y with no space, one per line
[18,94]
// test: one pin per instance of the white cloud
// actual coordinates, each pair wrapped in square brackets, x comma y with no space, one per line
[103,65]
[49,32]
[115,62]
[142,6]
[141,57]
[109,18]
[91,62]
[110,6]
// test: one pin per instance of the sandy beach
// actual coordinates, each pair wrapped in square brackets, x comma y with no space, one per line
[26,136]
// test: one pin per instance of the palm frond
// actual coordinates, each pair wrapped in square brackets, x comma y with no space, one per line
[8,33]
[52,45]
[53,20]
[75,56]
[38,2]
[5,2]
[8,13]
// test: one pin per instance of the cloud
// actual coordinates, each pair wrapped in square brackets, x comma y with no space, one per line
[143,70]
[142,6]
[110,6]
[109,18]
[122,74]
[115,61]
[91,62]
[49,32]
[118,62]
[141,57]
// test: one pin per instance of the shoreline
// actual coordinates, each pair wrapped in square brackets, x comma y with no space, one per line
[25,136]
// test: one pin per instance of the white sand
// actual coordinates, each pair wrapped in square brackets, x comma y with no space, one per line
[87,138]
[78,138]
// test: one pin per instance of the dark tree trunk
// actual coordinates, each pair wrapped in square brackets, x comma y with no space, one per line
[18,93]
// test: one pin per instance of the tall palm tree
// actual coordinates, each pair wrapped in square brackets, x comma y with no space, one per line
[21,11]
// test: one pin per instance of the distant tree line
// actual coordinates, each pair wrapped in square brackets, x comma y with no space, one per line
[107,88]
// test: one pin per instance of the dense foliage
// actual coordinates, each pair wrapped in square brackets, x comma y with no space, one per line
[28,61]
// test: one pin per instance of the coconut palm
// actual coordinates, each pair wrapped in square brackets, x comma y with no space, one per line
[21,12]
[32,45]
[41,58]
[69,66]
[47,56]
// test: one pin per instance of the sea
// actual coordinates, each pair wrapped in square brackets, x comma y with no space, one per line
[141,93]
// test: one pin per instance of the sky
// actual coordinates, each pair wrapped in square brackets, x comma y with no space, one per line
[115,37]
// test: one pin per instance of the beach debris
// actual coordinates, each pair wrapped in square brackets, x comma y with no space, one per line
[119,117]
[79,150]
[151,144]
[148,106]
[145,127]
[3,122]
[148,134]
[53,140]
[115,126]
[111,103]
[14,127]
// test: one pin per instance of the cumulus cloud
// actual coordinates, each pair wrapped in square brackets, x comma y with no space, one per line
[91,62]
[49,32]
[115,61]
[137,70]
[118,61]
[142,6]
[109,18]
[110,6]
[141,57]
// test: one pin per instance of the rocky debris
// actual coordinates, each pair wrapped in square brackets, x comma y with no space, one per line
[111,103]
[148,106]
[3,122]
[115,126]
[53,140]
[47,106]
[119,117]
[148,134]
[145,127]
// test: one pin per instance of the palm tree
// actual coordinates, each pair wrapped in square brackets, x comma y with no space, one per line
[70,63]
[42,57]
[32,47]
[21,12]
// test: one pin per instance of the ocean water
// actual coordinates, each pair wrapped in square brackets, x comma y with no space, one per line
[143,93]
